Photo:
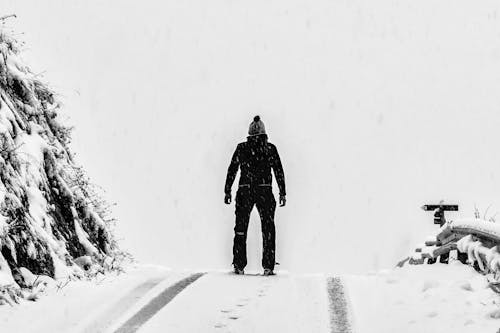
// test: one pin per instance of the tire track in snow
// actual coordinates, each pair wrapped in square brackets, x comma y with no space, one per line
[156,304]
[105,320]
[339,314]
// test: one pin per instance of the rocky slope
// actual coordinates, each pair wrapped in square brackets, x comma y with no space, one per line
[51,221]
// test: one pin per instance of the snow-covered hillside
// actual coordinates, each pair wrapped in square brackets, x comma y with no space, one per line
[50,217]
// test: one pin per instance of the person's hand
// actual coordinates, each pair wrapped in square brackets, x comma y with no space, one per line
[227,198]
[282,200]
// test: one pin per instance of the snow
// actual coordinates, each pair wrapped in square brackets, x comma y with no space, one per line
[425,298]
[32,146]
[70,307]
[474,248]
[485,227]
[338,84]
[229,303]
[428,249]
[218,300]
[364,96]
[3,221]
[83,237]
[37,204]
[5,272]
[414,299]
[62,271]
[28,277]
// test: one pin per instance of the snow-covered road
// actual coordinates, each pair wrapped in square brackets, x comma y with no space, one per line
[147,299]
[222,302]
[154,299]
[156,304]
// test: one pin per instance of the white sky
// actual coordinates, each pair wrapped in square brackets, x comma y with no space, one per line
[376,109]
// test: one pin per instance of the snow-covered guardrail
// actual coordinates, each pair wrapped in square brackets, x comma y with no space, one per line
[476,241]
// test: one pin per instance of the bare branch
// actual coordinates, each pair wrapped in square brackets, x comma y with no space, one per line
[493,218]
[486,212]
[477,215]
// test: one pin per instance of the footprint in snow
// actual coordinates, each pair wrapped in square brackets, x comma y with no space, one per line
[429,285]
[469,322]
[465,285]
[495,314]
[432,314]
[243,301]
[391,281]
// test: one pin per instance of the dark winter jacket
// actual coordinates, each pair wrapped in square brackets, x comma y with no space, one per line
[256,157]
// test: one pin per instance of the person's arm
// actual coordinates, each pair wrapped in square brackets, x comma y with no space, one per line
[231,175]
[278,172]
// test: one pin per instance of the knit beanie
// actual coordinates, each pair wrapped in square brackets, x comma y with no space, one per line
[256,127]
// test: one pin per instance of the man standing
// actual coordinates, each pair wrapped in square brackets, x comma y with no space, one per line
[255,157]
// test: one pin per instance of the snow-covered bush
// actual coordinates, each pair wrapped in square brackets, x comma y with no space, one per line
[50,214]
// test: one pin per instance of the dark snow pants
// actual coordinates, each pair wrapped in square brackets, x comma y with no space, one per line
[246,198]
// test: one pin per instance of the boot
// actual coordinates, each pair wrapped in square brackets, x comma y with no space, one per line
[238,271]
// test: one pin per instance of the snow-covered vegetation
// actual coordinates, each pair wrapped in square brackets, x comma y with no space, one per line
[473,241]
[52,221]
